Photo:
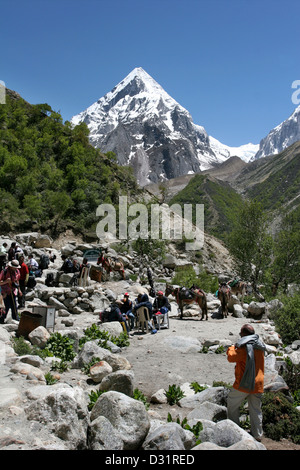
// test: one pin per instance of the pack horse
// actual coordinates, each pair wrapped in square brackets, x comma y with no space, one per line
[111,265]
[185,296]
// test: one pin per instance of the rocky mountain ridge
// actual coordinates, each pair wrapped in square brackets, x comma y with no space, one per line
[281,137]
[150,131]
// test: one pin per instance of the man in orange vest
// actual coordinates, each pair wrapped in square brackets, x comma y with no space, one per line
[248,354]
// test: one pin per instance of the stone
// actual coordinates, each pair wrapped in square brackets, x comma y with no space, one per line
[209,411]
[170,436]
[119,381]
[64,411]
[103,436]
[100,370]
[28,370]
[256,309]
[39,336]
[89,351]
[128,417]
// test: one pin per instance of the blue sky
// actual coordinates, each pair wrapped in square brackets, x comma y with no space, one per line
[230,63]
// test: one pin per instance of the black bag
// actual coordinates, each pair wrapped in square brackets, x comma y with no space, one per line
[44,262]
[31,282]
[49,281]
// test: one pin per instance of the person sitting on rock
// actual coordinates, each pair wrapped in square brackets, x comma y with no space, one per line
[126,309]
[115,315]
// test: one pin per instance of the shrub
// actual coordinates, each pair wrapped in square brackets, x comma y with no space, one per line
[287,319]
[280,418]
[95,333]
[60,346]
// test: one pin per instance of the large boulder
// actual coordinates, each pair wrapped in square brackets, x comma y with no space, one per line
[64,411]
[128,417]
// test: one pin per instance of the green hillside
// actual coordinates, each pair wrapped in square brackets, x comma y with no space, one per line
[220,201]
[276,182]
[50,174]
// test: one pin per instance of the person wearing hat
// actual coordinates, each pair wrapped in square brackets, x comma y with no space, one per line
[161,304]
[126,309]
[9,283]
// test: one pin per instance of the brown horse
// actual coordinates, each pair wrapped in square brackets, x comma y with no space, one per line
[224,296]
[240,288]
[111,265]
[195,296]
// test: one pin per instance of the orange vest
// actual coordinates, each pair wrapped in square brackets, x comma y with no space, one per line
[239,356]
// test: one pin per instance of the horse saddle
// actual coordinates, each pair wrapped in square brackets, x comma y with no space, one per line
[186,293]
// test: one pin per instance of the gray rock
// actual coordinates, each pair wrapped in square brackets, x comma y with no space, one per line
[89,351]
[209,411]
[216,395]
[64,411]
[119,381]
[103,436]
[128,417]
[170,436]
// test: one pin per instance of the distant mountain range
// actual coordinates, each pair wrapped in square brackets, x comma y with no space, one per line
[148,130]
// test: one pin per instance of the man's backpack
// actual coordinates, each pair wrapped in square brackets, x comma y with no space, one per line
[49,281]
[44,262]
[31,282]
[68,266]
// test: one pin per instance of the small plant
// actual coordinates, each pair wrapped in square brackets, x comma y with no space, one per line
[122,340]
[61,366]
[86,368]
[174,394]
[60,346]
[50,380]
[93,396]
[138,395]
[95,333]
[21,347]
[220,350]
[197,387]
[196,429]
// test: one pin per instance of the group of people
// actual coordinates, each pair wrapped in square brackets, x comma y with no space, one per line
[125,310]
[14,278]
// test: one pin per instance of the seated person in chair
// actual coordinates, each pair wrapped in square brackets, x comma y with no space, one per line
[143,301]
[161,304]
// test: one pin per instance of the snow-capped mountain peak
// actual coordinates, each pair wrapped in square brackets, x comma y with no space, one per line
[281,137]
[246,152]
[147,129]
[150,131]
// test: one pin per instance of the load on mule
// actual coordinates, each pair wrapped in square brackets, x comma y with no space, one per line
[185,296]
[239,287]
[111,265]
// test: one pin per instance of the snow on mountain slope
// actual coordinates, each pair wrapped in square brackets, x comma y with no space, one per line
[150,131]
[246,152]
[281,137]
